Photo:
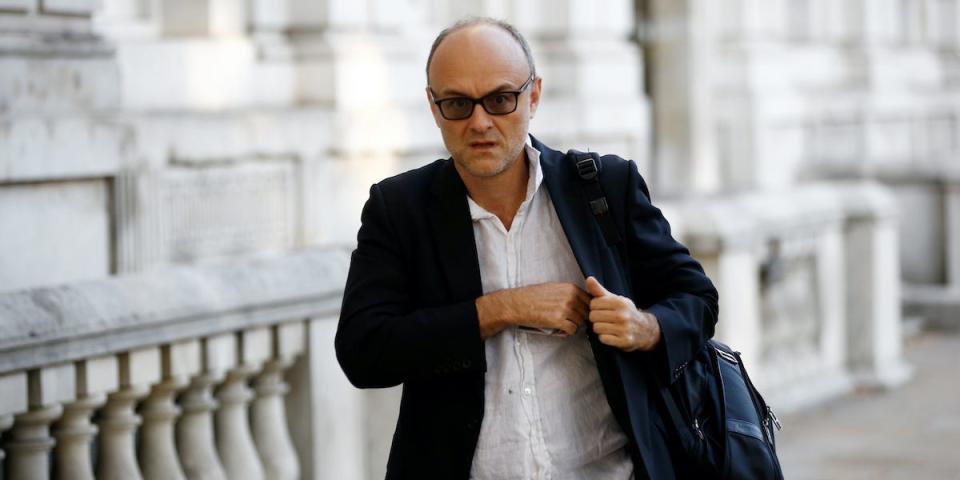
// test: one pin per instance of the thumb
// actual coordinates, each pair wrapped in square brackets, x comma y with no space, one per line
[594,287]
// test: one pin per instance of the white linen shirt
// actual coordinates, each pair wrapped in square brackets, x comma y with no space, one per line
[545,413]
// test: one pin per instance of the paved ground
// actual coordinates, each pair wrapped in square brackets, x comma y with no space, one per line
[909,433]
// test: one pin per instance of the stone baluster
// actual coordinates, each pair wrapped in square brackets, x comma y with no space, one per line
[13,401]
[198,453]
[28,443]
[268,416]
[195,438]
[234,441]
[118,421]
[74,431]
[158,452]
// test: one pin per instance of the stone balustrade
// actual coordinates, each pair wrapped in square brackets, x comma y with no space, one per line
[928,197]
[808,285]
[174,374]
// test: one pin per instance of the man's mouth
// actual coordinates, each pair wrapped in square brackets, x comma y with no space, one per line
[482,145]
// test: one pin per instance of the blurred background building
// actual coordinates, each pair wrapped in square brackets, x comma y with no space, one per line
[806,151]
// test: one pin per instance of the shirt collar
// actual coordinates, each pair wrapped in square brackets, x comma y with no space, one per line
[535,178]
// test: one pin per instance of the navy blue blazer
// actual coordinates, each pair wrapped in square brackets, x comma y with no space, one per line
[409,317]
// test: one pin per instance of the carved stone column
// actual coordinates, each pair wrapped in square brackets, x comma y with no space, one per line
[95,377]
[118,423]
[195,431]
[158,452]
[29,443]
[198,454]
[268,420]
[73,433]
[268,415]
[118,419]
[235,443]
[13,401]
[679,48]
[873,312]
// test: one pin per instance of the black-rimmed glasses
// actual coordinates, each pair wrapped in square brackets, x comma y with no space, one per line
[496,103]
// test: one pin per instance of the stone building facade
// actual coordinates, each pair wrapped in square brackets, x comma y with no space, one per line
[806,150]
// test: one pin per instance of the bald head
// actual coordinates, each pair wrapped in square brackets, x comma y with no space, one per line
[483,64]
[475,23]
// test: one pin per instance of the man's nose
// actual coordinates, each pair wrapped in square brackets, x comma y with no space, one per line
[480,120]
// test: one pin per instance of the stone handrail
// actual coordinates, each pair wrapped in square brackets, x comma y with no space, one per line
[49,325]
[172,352]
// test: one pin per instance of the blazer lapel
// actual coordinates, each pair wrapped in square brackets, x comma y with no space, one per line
[453,230]
[572,210]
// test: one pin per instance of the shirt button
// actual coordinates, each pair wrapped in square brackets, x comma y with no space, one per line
[527,391]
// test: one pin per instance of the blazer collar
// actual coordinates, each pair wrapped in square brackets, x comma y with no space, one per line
[572,210]
[453,228]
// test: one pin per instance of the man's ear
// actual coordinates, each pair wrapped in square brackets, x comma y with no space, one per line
[535,96]
[434,109]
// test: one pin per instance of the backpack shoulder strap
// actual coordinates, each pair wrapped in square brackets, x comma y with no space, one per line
[587,165]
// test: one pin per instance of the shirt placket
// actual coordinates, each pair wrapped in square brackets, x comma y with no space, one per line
[527,377]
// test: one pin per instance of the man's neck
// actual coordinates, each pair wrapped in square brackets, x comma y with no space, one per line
[501,194]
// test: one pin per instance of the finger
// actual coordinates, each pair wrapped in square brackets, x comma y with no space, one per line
[609,302]
[569,327]
[607,329]
[578,314]
[594,287]
[600,316]
[612,340]
[608,316]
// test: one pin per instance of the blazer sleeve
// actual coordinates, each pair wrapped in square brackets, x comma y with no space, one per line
[382,338]
[667,281]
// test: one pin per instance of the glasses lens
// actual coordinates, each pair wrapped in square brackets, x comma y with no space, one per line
[500,103]
[456,108]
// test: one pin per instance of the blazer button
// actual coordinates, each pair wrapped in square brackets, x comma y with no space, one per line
[473,424]
[466,364]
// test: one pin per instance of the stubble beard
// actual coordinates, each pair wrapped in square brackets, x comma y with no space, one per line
[502,164]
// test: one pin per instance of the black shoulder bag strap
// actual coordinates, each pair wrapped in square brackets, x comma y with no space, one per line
[587,165]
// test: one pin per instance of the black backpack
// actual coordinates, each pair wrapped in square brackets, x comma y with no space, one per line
[723,428]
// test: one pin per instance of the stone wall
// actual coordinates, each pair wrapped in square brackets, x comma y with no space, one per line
[182,131]
[767,95]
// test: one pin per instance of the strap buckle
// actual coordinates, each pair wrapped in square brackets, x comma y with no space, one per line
[587,168]
[599,206]
[727,356]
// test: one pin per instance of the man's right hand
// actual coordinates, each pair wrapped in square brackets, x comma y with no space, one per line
[563,306]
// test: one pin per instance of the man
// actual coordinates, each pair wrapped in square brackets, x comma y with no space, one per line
[482,283]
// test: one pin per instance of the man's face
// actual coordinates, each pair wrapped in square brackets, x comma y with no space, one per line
[475,62]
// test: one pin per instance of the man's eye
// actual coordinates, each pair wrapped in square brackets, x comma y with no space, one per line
[459,102]
[499,99]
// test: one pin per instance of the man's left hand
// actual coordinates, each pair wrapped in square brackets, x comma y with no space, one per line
[619,323]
